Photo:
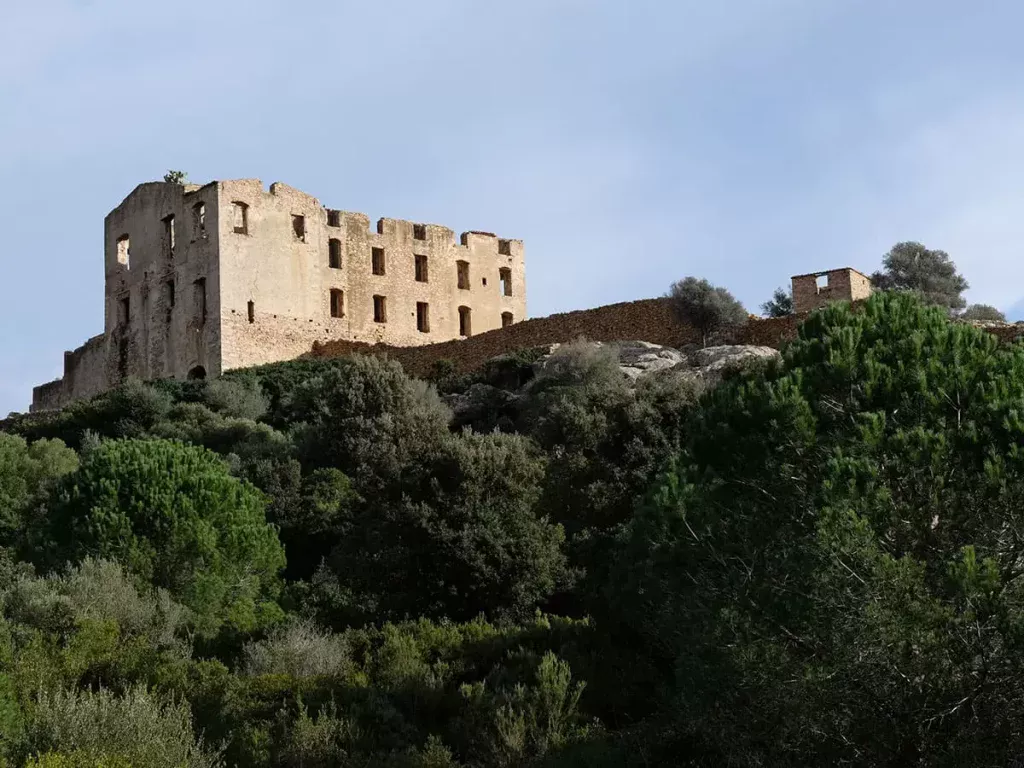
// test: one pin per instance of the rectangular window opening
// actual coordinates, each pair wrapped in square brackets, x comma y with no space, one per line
[506,319]
[822,281]
[422,317]
[377,259]
[241,217]
[169,293]
[251,311]
[334,253]
[123,251]
[465,327]
[169,232]
[380,309]
[124,311]
[463,274]
[505,275]
[199,288]
[421,268]
[419,231]
[505,247]
[198,221]
[333,218]
[337,303]
[299,227]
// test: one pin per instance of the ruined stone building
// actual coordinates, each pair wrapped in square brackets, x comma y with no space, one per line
[203,279]
[817,289]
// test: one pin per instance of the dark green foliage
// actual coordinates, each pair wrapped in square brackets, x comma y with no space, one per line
[366,418]
[984,313]
[457,534]
[26,472]
[779,305]
[708,308]
[929,275]
[817,562]
[826,566]
[173,515]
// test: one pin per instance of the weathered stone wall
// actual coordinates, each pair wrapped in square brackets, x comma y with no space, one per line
[840,285]
[85,375]
[200,279]
[646,320]
[277,276]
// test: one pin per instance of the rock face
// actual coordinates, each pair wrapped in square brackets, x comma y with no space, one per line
[711,363]
[638,359]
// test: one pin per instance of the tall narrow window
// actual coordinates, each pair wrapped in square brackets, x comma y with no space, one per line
[337,303]
[465,328]
[333,218]
[334,253]
[198,220]
[251,310]
[419,231]
[199,290]
[422,317]
[124,311]
[377,261]
[299,227]
[123,255]
[169,232]
[421,268]
[506,319]
[169,293]
[463,272]
[505,275]
[240,211]
[380,309]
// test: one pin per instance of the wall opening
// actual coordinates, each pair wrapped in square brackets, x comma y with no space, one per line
[251,310]
[380,309]
[377,261]
[198,220]
[337,303]
[463,273]
[422,317]
[333,218]
[483,281]
[419,231]
[199,298]
[505,247]
[123,311]
[240,212]
[123,254]
[169,294]
[334,253]
[505,275]
[299,227]
[822,281]
[465,326]
[506,319]
[421,268]
[197,373]
[169,232]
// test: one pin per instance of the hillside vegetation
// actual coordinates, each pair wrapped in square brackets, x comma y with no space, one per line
[820,561]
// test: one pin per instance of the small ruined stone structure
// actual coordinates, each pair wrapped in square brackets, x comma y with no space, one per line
[203,279]
[818,288]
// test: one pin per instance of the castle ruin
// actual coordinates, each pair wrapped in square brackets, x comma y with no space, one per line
[203,279]
[817,289]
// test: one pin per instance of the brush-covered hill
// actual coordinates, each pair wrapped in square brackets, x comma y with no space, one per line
[589,555]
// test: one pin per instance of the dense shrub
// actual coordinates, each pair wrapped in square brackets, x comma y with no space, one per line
[173,515]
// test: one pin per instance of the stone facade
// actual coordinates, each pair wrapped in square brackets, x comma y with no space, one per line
[203,279]
[818,288]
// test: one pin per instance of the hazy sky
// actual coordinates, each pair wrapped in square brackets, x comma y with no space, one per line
[628,142]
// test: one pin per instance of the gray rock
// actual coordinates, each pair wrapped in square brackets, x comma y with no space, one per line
[710,364]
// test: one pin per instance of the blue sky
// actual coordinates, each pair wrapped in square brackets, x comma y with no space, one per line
[629,143]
